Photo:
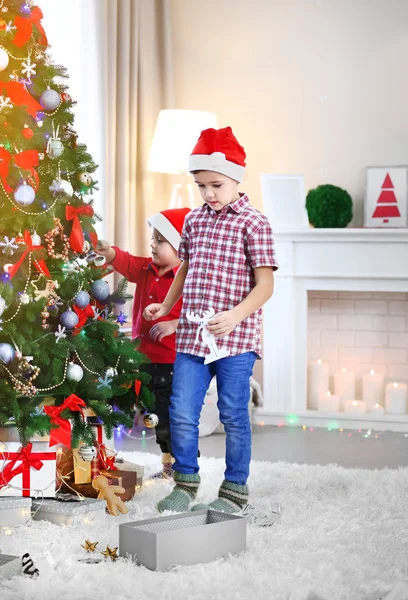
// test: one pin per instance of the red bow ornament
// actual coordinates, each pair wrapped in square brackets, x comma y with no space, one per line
[26,462]
[24,27]
[107,463]
[40,264]
[72,213]
[83,314]
[63,433]
[20,97]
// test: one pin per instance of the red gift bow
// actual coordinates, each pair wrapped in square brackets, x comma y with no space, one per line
[25,27]
[20,97]
[72,213]
[27,461]
[108,462]
[83,314]
[63,433]
[40,264]
[28,159]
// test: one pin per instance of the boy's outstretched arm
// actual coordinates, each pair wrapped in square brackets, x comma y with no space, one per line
[154,311]
[224,322]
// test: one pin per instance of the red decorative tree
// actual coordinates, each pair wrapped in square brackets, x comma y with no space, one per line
[387,202]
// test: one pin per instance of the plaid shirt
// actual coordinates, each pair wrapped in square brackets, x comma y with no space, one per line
[223,249]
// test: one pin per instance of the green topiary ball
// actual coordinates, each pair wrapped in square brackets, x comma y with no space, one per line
[329,206]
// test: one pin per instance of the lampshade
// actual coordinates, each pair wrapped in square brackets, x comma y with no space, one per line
[175,136]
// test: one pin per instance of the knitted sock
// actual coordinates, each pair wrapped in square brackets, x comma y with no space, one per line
[232,498]
[183,493]
[167,468]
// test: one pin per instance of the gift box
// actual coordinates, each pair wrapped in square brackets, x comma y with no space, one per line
[71,512]
[9,566]
[126,479]
[185,539]
[14,510]
[10,434]
[125,465]
[27,470]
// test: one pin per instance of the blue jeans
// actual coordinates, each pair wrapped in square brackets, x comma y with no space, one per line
[190,383]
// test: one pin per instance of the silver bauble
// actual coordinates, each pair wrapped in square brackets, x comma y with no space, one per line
[7,353]
[3,305]
[85,179]
[111,372]
[50,99]
[151,420]
[87,453]
[24,194]
[55,148]
[74,372]
[24,298]
[35,239]
[4,59]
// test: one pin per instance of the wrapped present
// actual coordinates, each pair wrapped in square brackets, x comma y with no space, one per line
[14,510]
[27,470]
[9,566]
[10,434]
[126,479]
[125,465]
[68,512]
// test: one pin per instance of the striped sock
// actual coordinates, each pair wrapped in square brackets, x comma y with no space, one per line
[183,493]
[232,498]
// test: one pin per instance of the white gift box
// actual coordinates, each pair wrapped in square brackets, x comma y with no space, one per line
[10,434]
[71,512]
[38,478]
[14,510]
[9,566]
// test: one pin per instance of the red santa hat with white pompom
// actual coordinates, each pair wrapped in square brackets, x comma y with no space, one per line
[218,150]
[169,223]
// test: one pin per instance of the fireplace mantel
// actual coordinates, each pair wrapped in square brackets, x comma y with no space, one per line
[373,260]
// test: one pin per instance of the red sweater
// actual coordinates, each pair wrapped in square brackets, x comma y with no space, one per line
[150,287]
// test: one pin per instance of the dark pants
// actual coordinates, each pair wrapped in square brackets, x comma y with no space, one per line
[160,386]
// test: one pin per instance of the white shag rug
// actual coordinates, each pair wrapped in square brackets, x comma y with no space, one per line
[342,534]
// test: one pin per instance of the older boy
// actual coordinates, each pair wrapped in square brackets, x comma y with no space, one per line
[228,256]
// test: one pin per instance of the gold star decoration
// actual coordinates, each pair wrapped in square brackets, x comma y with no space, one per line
[90,546]
[110,553]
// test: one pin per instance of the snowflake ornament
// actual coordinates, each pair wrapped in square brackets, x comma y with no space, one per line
[5,103]
[60,334]
[28,69]
[9,245]
[104,381]
[10,27]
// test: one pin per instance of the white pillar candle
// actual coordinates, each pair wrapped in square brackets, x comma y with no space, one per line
[329,402]
[396,398]
[317,381]
[373,388]
[355,406]
[377,410]
[345,385]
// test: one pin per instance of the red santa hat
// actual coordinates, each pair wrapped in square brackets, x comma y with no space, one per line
[169,223]
[218,150]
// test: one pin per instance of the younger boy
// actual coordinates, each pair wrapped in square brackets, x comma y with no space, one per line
[228,256]
[153,277]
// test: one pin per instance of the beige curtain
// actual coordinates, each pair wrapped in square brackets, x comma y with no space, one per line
[139,83]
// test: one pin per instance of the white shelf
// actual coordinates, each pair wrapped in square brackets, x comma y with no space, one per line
[315,418]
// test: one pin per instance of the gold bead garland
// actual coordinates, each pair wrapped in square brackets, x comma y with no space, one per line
[15,57]
[53,387]
[24,291]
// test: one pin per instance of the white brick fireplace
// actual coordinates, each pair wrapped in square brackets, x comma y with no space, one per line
[340,295]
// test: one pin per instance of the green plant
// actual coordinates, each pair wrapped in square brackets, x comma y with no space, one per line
[329,206]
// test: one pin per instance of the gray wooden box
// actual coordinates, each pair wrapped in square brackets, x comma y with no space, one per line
[185,539]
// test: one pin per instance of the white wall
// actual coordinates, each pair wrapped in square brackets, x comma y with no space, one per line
[71,29]
[312,87]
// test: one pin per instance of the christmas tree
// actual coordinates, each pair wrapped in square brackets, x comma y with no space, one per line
[59,331]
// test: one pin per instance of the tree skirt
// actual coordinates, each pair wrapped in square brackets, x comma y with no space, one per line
[341,534]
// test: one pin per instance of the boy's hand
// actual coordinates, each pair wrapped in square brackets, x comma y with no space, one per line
[223,323]
[103,248]
[163,329]
[155,311]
